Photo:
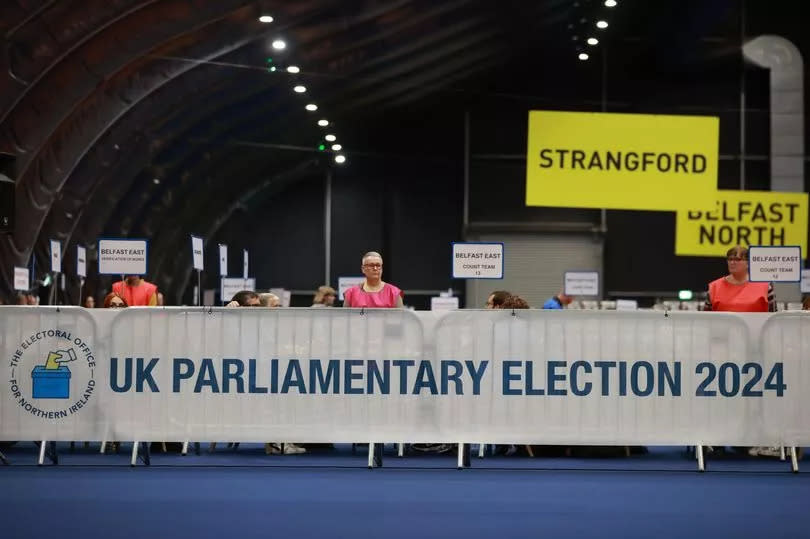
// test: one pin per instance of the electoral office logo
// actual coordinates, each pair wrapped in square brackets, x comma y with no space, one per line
[51,374]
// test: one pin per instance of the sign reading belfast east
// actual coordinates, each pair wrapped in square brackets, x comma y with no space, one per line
[620,161]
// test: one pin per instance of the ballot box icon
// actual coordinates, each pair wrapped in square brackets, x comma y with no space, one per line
[52,380]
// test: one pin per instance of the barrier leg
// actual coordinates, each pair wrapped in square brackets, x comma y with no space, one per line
[463,456]
[47,449]
[375,455]
[103,447]
[134,460]
[400,450]
[184,451]
[794,460]
[3,459]
[371,454]
[782,453]
[701,462]
[481,448]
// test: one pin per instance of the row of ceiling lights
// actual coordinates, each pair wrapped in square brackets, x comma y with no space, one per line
[279,45]
[601,24]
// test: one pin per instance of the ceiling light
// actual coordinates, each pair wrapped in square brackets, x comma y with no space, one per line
[279,44]
[266,19]
[156,181]
[323,123]
[610,3]
[601,24]
[311,107]
[293,69]
[583,56]
[340,158]
[321,147]
[593,41]
[330,138]
[300,89]
[336,147]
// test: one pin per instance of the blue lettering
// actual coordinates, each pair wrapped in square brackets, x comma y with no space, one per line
[622,378]
[648,378]
[294,377]
[144,375]
[403,365]
[348,376]
[553,378]
[236,376]
[575,389]
[530,390]
[182,369]
[207,376]
[114,375]
[674,382]
[318,380]
[605,366]
[476,374]
[508,376]
[458,369]
[252,387]
[383,380]
[425,378]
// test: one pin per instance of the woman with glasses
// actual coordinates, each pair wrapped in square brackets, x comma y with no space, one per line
[735,293]
[114,301]
[373,291]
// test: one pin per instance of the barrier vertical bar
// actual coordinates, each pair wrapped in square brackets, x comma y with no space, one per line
[699,453]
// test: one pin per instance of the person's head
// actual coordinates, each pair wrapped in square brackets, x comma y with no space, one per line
[372,266]
[737,259]
[496,299]
[246,298]
[268,299]
[806,304]
[324,296]
[160,300]
[564,298]
[22,298]
[114,301]
[133,280]
[89,302]
[31,299]
[515,302]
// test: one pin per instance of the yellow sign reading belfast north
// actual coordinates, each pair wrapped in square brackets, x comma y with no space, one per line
[743,218]
[620,161]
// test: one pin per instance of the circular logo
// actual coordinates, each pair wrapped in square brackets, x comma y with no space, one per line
[52,374]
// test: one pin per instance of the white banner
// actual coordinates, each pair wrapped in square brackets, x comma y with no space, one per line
[344,375]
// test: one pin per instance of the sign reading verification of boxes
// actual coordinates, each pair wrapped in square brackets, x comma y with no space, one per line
[122,257]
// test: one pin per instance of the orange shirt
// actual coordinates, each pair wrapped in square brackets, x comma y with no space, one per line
[144,294]
[739,298]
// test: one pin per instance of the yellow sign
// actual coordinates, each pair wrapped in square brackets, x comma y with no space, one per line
[743,218]
[620,161]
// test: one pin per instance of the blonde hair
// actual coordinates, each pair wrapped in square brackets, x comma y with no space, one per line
[266,298]
[322,292]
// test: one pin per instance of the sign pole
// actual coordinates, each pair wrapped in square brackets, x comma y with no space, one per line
[199,289]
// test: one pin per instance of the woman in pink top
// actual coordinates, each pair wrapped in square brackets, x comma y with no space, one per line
[373,292]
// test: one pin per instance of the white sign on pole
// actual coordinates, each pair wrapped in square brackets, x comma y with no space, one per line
[805,286]
[477,260]
[775,264]
[56,256]
[443,303]
[197,253]
[81,261]
[244,264]
[21,281]
[223,260]
[345,283]
[122,257]
[284,296]
[231,285]
[581,283]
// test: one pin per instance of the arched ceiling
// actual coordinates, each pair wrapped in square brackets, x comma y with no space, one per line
[100,97]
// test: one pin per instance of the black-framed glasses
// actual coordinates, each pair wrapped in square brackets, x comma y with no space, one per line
[372,266]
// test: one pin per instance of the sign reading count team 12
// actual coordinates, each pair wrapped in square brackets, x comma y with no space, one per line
[478,260]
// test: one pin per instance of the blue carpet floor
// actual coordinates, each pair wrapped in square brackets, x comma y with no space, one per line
[244,493]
